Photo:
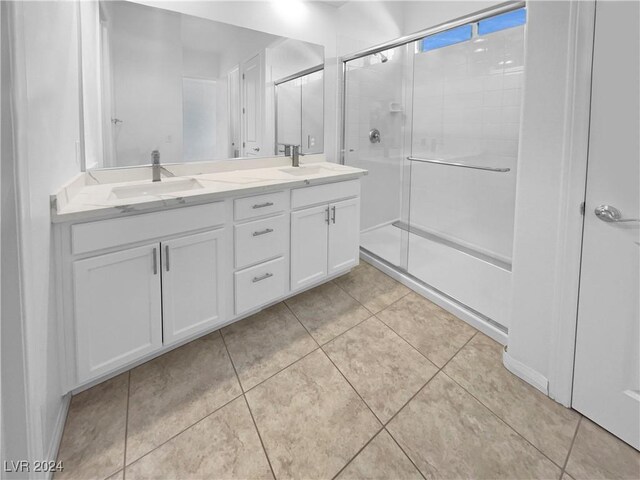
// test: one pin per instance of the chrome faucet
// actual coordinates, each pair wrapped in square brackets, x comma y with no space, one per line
[155,165]
[292,151]
[295,155]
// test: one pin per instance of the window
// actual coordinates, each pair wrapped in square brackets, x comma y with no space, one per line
[446,38]
[503,21]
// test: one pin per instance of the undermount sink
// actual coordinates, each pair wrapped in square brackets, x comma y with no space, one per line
[300,171]
[155,188]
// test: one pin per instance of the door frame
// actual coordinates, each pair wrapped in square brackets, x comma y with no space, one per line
[568,259]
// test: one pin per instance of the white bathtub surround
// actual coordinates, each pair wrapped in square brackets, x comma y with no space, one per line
[146,266]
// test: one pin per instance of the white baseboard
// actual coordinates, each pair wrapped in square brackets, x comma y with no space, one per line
[528,374]
[56,437]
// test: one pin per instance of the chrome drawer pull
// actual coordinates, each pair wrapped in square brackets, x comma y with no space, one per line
[262,277]
[262,205]
[263,232]
[333,214]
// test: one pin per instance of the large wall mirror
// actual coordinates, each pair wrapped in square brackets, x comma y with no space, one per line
[192,88]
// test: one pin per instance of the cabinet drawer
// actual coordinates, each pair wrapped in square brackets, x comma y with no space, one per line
[303,197]
[259,205]
[261,284]
[260,240]
[87,237]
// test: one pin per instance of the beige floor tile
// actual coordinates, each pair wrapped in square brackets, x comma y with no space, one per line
[93,441]
[382,459]
[449,434]
[566,476]
[371,287]
[327,311]
[265,343]
[311,421]
[548,425]
[172,392]
[432,330]
[381,366]
[597,454]
[225,445]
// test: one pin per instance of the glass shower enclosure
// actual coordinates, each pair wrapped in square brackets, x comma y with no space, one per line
[435,119]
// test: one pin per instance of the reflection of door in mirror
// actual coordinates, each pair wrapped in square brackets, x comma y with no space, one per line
[233,86]
[252,81]
[289,106]
[312,112]
[199,119]
[300,112]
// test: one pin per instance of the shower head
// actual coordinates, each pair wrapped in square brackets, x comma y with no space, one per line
[383,58]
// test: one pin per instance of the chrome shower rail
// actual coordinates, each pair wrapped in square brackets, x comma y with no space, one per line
[474,17]
[454,164]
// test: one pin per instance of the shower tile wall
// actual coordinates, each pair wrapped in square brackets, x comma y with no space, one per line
[467,109]
[375,99]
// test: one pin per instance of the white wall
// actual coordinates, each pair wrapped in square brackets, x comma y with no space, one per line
[13,389]
[550,187]
[47,132]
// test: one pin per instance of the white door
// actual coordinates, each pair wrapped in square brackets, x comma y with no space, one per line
[252,85]
[607,362]
[191,285]
[309,246]
[344,235]
[117,309]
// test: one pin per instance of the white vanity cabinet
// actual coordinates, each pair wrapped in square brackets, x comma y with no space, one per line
[135,286]
[117,309]
[132,302]
[325,237]
[192,287]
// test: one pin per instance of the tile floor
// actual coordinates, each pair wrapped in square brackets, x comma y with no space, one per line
[358,378]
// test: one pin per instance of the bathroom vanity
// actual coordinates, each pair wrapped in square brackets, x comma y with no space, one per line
[146,266]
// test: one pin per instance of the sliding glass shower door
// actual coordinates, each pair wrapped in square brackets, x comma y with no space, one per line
[375,125]
[439,201]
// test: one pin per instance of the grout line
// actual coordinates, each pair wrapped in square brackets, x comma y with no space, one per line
[405,453]
[384,424]
[367,405]
[264,449]
[246,401]
[573,441]
[183,430]
[283,369]
[365,307]
[126,428]
[503,421]
[347,330]
[358,453]
[339,371]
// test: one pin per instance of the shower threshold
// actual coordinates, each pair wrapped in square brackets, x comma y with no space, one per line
[450,243]
[476,319]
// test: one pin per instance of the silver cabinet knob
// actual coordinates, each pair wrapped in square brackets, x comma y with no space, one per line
[256,149]
[610,214]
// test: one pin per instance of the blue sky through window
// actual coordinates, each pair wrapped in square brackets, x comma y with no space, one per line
[503,21]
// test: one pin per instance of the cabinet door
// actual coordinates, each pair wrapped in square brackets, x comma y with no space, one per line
[192,297]
[117,309]
[308,246]
[344,235]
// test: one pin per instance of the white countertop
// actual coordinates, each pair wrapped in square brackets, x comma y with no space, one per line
[94,195]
